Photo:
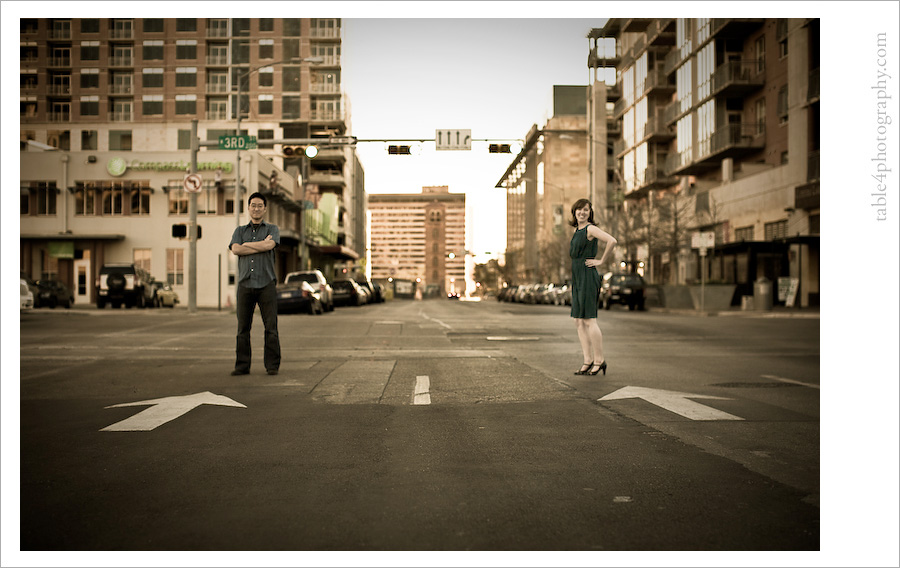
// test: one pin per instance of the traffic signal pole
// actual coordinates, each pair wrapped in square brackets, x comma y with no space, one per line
[192,226]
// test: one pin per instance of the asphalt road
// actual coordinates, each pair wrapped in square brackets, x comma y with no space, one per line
[419,426]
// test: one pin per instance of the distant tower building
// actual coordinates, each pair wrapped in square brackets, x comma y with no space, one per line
[420,237]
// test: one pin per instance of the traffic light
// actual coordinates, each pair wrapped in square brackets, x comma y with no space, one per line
[180,231]
[292,151]
[499,149]
[399,150]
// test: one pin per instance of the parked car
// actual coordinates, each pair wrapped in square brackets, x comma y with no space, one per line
[375,294]
[29,281]
[124,284]
[347,292]
[164,295]
[26,297]
[623,288]
[317,280]
[52,293]
[298,295]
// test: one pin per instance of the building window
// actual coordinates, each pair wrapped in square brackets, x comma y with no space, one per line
[216,109]
[90,51]
[265,134]
[185,104]
[240,51]
[186,77]
[153,50]
[267,77]
[760,54]
[86,198]
[781,33]
[153,104]
[178,198]
[266,104]
[777,230]
[89,139]
[112,199]
[266,48]
[90,25]
[744,234]
[90,78]
[185,24]
[153,25]
[290,107]
[140,200]
[186,49]
[142,258]
[783,104]
[761,117]
[267,24]
[291,27]
[175,267]
[120,140]
[39,198]
[90,105]
[290,79]
[152,78]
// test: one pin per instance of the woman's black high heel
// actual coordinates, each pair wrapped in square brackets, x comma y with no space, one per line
[600,367]
[584,371]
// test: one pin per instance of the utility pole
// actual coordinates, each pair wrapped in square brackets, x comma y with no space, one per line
[192,226]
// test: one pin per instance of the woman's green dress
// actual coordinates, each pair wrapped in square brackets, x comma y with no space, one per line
[585,279]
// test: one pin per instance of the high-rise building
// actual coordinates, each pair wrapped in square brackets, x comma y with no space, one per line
[420,237]
[716,130]
[105,121]
[542,183]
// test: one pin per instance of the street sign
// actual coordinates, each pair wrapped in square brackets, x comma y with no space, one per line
[447,139]
[703,240]
[233,142]
[193,183]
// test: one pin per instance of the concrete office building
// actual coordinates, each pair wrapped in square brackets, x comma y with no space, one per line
[715,130]
[542,183]
[99,92]
[421,237]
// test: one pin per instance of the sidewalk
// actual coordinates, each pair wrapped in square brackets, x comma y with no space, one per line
[775,312]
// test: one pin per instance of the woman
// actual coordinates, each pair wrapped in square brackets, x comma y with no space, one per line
[586,284]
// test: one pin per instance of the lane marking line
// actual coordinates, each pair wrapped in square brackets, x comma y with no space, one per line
[421,393]
[792,381]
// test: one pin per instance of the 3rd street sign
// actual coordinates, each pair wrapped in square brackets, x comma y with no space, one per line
[233,142]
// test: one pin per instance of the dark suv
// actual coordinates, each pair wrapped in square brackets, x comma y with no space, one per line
[124,284]
[626,289]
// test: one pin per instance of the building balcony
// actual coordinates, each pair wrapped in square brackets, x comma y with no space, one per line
[121,89]
[59,116]
[64,61]
[619,108]
[733,140]
[121,33]
[661,32]
[120,116]
[59,90]
[217,32]
[636,24]
[217,60]
[619,148]
[216,88]
[812,93]
[674,59]
[326,178]
[121,61]
[600,57]
[806,196]
[734,27]
[325,89]
[657,130]
[674,111]
[331,155]
[737,78]
[655,177]
[325,33]
[60,34]
[657,82]
[326,115]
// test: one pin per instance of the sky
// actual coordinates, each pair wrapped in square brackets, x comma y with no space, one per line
[405,78]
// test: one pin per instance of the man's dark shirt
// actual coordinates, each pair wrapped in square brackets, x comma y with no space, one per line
[256,270]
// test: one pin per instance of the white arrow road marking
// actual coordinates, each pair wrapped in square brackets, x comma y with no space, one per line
[166,409]
[676,402]
[421,394]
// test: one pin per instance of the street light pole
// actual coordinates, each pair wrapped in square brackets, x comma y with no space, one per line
[240,92]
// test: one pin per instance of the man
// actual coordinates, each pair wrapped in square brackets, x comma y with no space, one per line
[254,245]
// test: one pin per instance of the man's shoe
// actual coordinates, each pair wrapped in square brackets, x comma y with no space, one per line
[272,371]
[239,372]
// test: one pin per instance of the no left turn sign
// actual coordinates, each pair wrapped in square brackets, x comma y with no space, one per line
[193,183]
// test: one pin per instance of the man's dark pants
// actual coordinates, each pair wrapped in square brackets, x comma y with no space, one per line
[247,300]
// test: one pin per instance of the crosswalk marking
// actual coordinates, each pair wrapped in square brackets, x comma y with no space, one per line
[421,394]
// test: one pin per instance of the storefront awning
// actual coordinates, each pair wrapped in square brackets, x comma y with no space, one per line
[71,237]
